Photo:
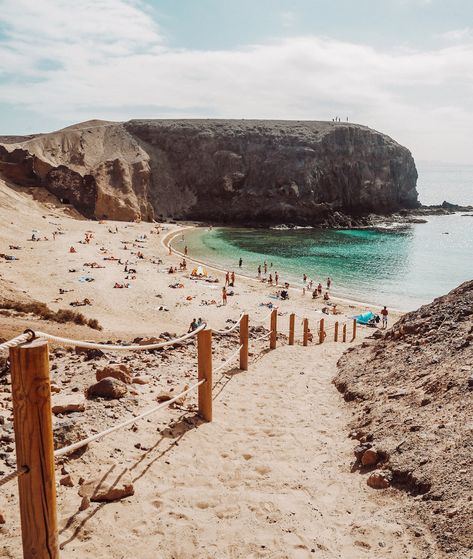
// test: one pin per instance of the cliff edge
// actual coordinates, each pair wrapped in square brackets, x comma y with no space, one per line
[229,171]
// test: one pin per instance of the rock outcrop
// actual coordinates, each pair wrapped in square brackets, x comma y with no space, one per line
[221,170]
[412,390]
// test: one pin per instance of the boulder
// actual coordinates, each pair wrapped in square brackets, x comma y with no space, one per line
[163,396]
[110,485]
[68,403]
[108,387]
[119,372]
[380,479]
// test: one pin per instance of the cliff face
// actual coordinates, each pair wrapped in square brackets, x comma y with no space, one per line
[228,171]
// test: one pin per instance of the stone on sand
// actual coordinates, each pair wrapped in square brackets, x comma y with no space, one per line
[108,387]
[119,372]
[110,485]
[380,479]
[68,403]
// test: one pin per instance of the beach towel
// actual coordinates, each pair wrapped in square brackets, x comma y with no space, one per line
[364,318]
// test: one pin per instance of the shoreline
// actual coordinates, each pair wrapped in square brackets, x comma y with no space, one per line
[167,243]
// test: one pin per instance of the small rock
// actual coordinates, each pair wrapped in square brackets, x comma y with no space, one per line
[380,479]
[370,457]
[3,518]
[108,387]
[55,389]
[67,481]
[111,485]
[141,380]
[89,353]
[119,372]
[68,403]
[163,396]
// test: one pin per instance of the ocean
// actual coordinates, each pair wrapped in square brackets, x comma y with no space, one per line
[402,268]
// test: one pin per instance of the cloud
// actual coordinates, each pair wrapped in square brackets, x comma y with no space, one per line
[107,59]
[458,35]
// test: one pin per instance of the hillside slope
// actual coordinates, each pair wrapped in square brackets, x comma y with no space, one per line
[318,173]
[412,390]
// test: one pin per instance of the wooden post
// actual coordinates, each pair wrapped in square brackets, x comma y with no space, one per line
[244,331]
[335,332]
[345,332]
[321,331]
[292,324]
[32,417]
[274,329]
[305,338]
[204,353]
[354,329]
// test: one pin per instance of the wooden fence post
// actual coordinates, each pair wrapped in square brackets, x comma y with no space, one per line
[335,332]
[244,332]
[292,324]
[344,332]
[321,331]
[32,417]
[305,338]
[354,329]
[274,329]
[204,355]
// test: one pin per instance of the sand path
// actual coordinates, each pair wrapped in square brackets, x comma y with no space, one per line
[268,478]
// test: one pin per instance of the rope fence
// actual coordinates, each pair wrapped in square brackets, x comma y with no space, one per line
[31,397]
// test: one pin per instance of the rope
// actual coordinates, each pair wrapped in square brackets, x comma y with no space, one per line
[14,475]
[225,363]
[261,337]
[265,317]
[91,439]
[21,339]
[224,332]
[110,347]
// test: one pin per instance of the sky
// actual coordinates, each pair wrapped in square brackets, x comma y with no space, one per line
[404,67]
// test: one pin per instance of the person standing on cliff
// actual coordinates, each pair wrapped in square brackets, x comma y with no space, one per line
[384,314]
[240,262]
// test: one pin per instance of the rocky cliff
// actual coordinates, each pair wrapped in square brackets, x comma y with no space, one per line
[412,391]
[223,170]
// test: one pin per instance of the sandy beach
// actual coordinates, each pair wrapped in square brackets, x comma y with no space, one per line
[269,477]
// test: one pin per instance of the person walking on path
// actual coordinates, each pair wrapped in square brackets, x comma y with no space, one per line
[384,314]
[224,295]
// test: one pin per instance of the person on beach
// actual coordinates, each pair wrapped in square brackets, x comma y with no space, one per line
[240,262]
[185,250]
[319,289]
[224,295]
[270,280]
[259,271]
[193,326]
[276,278]
[384,314]
[329,283]
[304,278]
[265,268]
[326,296]
[314,294]
[233,279]
[227,278]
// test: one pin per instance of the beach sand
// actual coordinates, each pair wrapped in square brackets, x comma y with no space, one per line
[269,477]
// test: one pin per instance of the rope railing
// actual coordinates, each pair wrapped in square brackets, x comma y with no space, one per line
[10,477]
[262,337]
[112,347]
[18,340]
[227,361]
[84,442]
[234,327]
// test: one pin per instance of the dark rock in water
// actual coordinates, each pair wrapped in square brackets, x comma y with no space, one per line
[230,171]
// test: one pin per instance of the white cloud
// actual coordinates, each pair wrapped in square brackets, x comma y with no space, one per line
[108,60]
[458,35]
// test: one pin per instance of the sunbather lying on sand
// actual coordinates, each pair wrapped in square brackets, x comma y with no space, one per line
[82,303]
[121,285]
[15,247]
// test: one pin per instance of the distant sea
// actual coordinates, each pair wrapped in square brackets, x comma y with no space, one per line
[402,268]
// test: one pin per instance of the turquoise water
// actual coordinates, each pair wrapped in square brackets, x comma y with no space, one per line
[399,268]
[402,269]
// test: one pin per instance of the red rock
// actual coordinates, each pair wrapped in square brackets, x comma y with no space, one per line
[66,481]
[119,372]
[108,387]
[380,479]
[370,457]
[68,403]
